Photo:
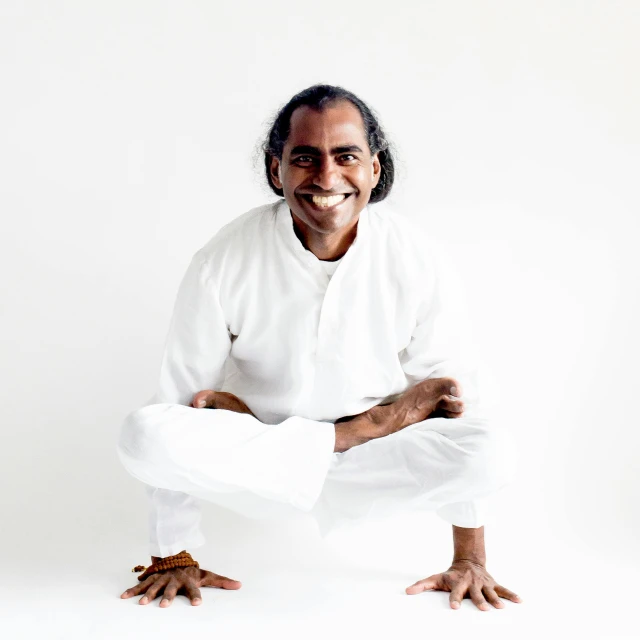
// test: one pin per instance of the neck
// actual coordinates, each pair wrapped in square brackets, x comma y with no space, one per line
[325,246]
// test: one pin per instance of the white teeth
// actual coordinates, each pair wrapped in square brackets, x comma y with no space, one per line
[324,201]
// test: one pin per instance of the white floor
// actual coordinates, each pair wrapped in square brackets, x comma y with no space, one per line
[63,581]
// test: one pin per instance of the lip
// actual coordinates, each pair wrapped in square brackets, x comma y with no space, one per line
[306,197]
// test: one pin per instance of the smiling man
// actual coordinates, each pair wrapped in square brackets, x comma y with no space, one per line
[316,329]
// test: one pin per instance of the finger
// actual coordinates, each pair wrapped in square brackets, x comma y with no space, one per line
[193,593]
[493,597]
[477,598]
[457,594]
[203,399]
[152,591]
[170,592]
[432,582]
[222,582]
[139,588]
[503,592]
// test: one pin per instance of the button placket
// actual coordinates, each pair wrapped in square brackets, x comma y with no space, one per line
[307,389]
[328,324]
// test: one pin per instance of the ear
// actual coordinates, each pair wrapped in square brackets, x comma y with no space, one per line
[376,171]
[274,172]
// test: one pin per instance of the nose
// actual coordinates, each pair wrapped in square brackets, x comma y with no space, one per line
[328,175]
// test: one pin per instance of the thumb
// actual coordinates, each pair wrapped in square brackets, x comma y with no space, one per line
[204,399]
[432,582]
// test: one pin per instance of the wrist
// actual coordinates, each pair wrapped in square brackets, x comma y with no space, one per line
[468,545]
[160,558]
[479,562]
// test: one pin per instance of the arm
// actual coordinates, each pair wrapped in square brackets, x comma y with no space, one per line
[441,382]
[196,349]
[195,352]
[198,342]
[440,347]
[468,545]
[440,344]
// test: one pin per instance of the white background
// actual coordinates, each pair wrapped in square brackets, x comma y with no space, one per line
[128,138]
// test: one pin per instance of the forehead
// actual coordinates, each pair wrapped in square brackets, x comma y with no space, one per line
[338,124]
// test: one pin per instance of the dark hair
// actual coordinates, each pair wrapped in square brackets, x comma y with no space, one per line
[318,97]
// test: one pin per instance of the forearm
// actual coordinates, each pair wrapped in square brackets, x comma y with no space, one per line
[468,544]
[174,522]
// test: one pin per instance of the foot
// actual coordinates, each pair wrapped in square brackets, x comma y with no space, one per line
[436,396]
[355,430]
[429,398]
[219,400]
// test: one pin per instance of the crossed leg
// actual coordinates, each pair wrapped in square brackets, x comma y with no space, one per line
[229,458]
[446,465]
[258,470]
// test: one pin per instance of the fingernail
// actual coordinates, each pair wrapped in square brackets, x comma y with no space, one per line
[143,601]
[455,605]
[454,391]
[200,403]
[196,601]
[165,601]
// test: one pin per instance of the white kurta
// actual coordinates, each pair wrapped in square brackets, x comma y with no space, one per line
[260,316]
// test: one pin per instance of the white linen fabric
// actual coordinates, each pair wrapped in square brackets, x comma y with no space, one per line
[260,316]
[330,266]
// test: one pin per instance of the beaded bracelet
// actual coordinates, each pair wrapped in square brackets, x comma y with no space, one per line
[182,559]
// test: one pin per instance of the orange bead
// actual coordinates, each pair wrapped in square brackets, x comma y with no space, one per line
[182,559]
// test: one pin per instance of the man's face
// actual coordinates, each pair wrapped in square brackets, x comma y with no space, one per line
[327,171]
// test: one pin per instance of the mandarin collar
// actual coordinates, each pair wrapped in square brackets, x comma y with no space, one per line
[284,221]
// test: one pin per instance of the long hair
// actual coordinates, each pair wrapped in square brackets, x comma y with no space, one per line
[318,97]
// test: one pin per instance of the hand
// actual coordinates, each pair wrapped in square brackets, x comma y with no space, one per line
[186,580]
[219,400]
[465,576]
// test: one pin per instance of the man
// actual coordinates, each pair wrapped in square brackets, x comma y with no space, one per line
[316,329]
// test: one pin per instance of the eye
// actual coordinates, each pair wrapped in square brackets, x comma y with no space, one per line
[303,160]
[348,157]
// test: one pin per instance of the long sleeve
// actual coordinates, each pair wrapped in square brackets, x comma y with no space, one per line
[195,352]
[441,345]
[174,522]
[198,343]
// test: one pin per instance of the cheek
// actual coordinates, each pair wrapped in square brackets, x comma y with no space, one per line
[292,178]
[363,178]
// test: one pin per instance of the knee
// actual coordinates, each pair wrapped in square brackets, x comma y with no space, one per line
[138,438]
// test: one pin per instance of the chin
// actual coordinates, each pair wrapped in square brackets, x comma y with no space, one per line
[331,224]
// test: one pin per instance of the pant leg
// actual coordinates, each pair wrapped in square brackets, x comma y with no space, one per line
[228,458]
[449,466]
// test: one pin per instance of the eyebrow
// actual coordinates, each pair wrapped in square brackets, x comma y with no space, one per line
[314,151]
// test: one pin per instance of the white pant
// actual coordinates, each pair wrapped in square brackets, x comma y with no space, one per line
[261,470]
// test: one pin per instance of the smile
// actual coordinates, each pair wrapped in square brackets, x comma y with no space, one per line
[326,202]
